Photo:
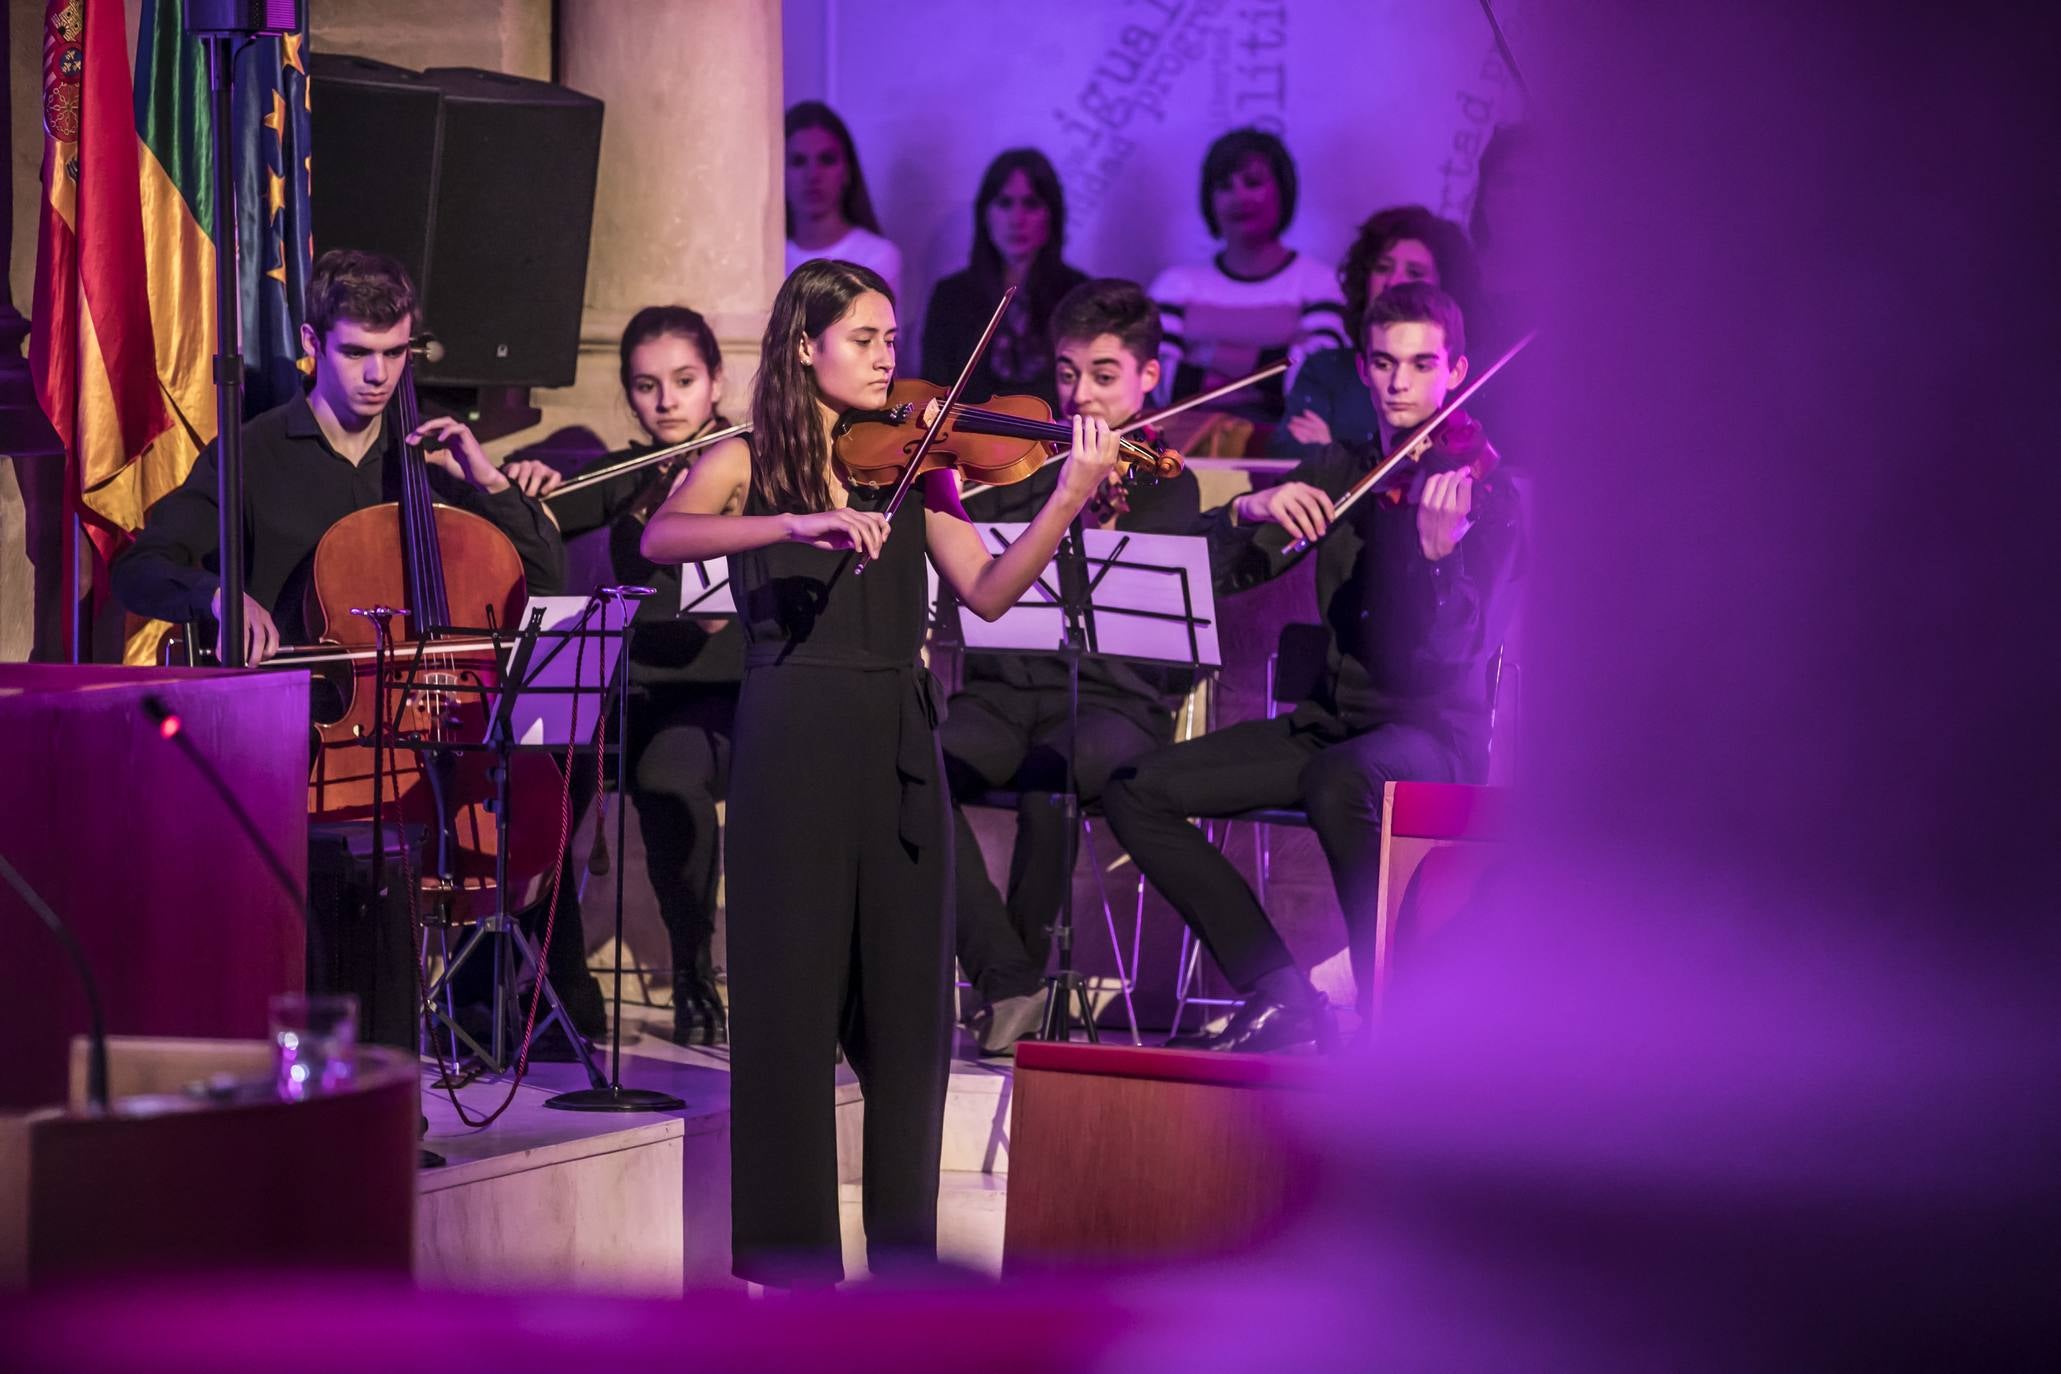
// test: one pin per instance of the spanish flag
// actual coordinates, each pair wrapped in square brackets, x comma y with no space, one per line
[123,333]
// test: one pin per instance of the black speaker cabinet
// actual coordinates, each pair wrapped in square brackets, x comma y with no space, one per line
[483,185]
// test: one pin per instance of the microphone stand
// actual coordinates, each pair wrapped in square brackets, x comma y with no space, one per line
[96,1057]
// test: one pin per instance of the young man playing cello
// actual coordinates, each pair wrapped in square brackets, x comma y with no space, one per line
[1006,727]
[1415,593]
[316,459]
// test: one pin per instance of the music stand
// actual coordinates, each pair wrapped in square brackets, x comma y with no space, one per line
[612,1096]
[569,620]
[1111,594]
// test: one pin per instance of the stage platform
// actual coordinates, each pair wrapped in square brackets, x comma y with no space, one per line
[640,1203]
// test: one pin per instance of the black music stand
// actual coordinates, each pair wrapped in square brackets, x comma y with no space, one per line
[1158,611]
[612,1096]
[517,681]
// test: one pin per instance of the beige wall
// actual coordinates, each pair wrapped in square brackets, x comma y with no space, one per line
[512,36]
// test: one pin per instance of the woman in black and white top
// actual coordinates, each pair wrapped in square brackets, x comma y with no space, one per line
[1256,301]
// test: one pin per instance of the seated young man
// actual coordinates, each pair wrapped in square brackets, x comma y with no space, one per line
[1006,727]
[1415,594]
[313,461]
[316,459]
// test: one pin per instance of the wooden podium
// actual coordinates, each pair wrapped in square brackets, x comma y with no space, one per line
[168,1183]
[186,929]
[1123,1155]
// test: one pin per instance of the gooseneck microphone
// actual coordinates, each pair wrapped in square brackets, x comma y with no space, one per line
[96,1060]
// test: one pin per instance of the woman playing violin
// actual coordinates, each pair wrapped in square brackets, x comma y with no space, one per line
[683,672]
[839,844]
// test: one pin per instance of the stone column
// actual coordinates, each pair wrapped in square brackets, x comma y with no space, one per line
[688,207]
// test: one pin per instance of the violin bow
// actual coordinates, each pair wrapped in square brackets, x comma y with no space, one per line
[599,475]
[944,411]
[1411,448]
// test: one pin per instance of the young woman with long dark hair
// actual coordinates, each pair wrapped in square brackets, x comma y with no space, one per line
[829,211]
[839,848]
[1019,239]
[683,672]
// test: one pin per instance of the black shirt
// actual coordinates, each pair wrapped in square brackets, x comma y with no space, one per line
[1410,640]
[667,649]
[1019,360]
[1143,692]
[295,487]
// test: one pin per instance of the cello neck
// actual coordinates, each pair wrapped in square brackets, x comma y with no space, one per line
[421,552]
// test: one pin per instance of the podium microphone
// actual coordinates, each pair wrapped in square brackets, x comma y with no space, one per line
[96,1059]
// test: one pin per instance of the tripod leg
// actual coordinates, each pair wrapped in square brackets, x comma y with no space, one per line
[1080,988]
[558,1012]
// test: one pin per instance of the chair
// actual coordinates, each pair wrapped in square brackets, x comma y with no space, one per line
[1433,815]
[1189,721]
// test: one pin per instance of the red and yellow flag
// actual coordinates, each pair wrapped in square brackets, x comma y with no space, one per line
[123,336]
[92,349]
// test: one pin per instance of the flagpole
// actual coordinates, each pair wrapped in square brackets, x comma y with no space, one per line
[228,350]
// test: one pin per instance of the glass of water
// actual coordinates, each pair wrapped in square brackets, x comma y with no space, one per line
[312,1040]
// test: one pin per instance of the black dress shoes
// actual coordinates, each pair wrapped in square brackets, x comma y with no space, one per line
[1269,1025]
[698,1014]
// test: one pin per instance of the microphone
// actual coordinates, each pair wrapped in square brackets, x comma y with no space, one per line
[428,347]
[96,1058]
[171,729]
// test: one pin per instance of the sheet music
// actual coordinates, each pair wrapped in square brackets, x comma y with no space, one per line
[705,588]
[1150,595]
[561,661]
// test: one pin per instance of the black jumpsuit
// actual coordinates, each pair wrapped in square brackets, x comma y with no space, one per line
[838,852]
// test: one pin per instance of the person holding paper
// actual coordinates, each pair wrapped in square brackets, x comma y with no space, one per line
[1416,594]
[683,672]
[1006,727]
[839,848]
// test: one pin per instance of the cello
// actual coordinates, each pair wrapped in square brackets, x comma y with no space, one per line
[441,567]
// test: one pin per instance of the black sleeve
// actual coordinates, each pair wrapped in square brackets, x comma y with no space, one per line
[169,571]
[522,520]
[1474,588]
[1170,506]
[945,348]
[1243,556]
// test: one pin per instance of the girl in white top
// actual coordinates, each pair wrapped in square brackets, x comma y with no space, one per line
[1256,301]
[829,214]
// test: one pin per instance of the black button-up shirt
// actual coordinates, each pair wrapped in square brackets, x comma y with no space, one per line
[295,487]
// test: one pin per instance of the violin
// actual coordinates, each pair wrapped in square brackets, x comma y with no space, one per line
[996,444]
[445,567]
[1154,420]
[1449,440]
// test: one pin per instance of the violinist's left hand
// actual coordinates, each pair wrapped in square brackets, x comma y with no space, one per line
[1445,512]
[1092,460]
[458,452]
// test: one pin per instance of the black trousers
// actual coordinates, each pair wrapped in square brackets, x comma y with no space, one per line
[997,736]
[679,764]
[839,933]
[1310,759]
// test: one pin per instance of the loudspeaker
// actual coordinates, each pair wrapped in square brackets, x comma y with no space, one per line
[482,184]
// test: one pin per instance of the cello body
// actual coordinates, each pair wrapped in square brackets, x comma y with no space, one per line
[360,563]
